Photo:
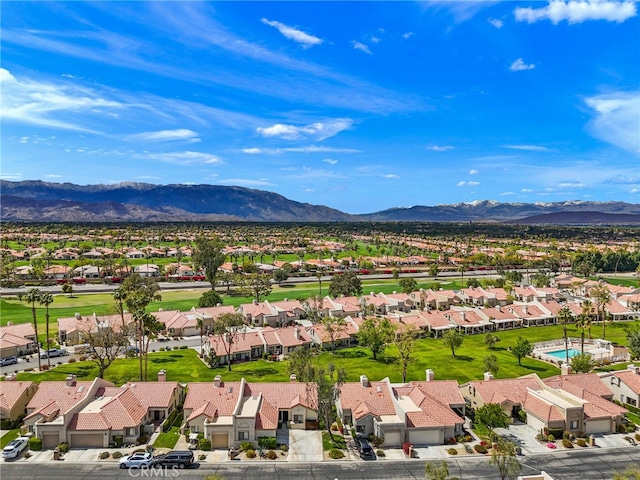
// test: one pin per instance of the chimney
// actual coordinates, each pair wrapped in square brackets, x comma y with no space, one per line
[430,375]
[525,309]
[634,368]
[364,381]
[488,376]
[77,315]
[565,369]
[217,381]
[9,323]
[499,308]
[70,381]
[161,309]
[218,304]
[292,377]
[255,302]
[162,375]
[297,333]
[10,377]
[463,316]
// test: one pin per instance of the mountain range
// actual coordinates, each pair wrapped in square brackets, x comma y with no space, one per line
[35,200]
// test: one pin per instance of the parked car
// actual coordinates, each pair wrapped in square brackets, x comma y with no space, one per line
[136,460]
[15,448]
[365,449]
[8,361]
[54,352]
[179,458]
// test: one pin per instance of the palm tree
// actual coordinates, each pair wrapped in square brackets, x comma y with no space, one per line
[33,296]
[564,317]
[200,326]
[584,321]
[319,277]
[46,299]
[601,294]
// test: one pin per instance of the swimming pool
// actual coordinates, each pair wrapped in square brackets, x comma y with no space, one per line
[561,353]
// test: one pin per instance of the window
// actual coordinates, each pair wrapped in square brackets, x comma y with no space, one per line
[359,428]
[243,435]
[131,431]
[194,428]
[574,424]
[297,419]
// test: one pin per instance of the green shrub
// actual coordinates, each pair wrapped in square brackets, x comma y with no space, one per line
[566,443]
[244,446]
[468,449]
[376,441]
[250,453]
[556,433]
[27,455]
[118,440]
[161,349]
[336,454]
[480,448]
[82,358]
[284,447]
[63,447]
[202,457]
[272,455]
[380,453]
[72,360]
[452,451]
[104,455]
[204,444]
[551,438]
[175,347]
[116,455]
[269,443]
[467,438]
[35,444]
[183,347]
[581,442]
[638,436]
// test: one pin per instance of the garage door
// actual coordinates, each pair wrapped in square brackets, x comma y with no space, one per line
[50,440]
[425,437]
[392,438]
[87,440]
[598,426]
[220,440]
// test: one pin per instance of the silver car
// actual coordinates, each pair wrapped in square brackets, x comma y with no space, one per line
[15,448]
[136,460]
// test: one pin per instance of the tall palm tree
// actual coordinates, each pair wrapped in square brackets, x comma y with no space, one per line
[564,317]
[46,299]
[33,296]
[584,321]
[601,295]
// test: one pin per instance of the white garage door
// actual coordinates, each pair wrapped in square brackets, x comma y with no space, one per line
[392,438]
[425,437]
[220,440]
[95,440]
[598,426]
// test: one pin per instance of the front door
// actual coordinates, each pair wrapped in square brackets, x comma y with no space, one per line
[285,416]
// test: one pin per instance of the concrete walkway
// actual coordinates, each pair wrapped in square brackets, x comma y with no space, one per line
[352,448]
[305,446]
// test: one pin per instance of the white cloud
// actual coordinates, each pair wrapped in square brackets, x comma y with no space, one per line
[309,190]
[527,190]
[495,22]
[166,135]
[617,120]
[474,172]
[467,184]
[307,149]
[24,139]
[330,161]
[251,151]
[294,34]
[11,176]
[530,148]
[181,158]
[407,35]
[318,131]
[634,190]
[360,46]
[622,180]
[439,148]
[506,194]
[374,39]
[571,184]
[391,175]
[519,65]
[578,11]
[245,182]
[52,175]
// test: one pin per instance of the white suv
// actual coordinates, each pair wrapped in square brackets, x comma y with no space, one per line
[15,448]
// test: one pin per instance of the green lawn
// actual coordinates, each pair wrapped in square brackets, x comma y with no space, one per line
[623,281]
[7,437]
[168,439]
[338,441]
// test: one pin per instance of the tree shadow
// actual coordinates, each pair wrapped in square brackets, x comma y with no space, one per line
[531,367]
[287,285]
[350,354]
[465,358]
[263,372]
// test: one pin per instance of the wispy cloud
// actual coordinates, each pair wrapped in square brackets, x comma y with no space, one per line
[530,148]
[506,194]
[570,184]
[246,182]
[496,22]
[316,131]
[467,184]
[307,149]
[11,176]
[166,135]
[391,175]
[461,10]
[527,190]
[578,11]
[52,175]
[519,65]
[293,33]
[181,158]
[474,172]
[616,119]
[439,148]
[623,180]
[330,161]
[407,35]
[360,46]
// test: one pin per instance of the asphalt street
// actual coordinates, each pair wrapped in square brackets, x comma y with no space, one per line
[574,465]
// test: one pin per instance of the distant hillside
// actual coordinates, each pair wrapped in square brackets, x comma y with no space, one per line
[580,218]
[143,202]
[178,202]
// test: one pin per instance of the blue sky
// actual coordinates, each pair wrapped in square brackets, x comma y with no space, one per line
[359,106]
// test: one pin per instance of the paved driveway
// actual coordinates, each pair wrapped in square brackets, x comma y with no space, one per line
[305,446]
